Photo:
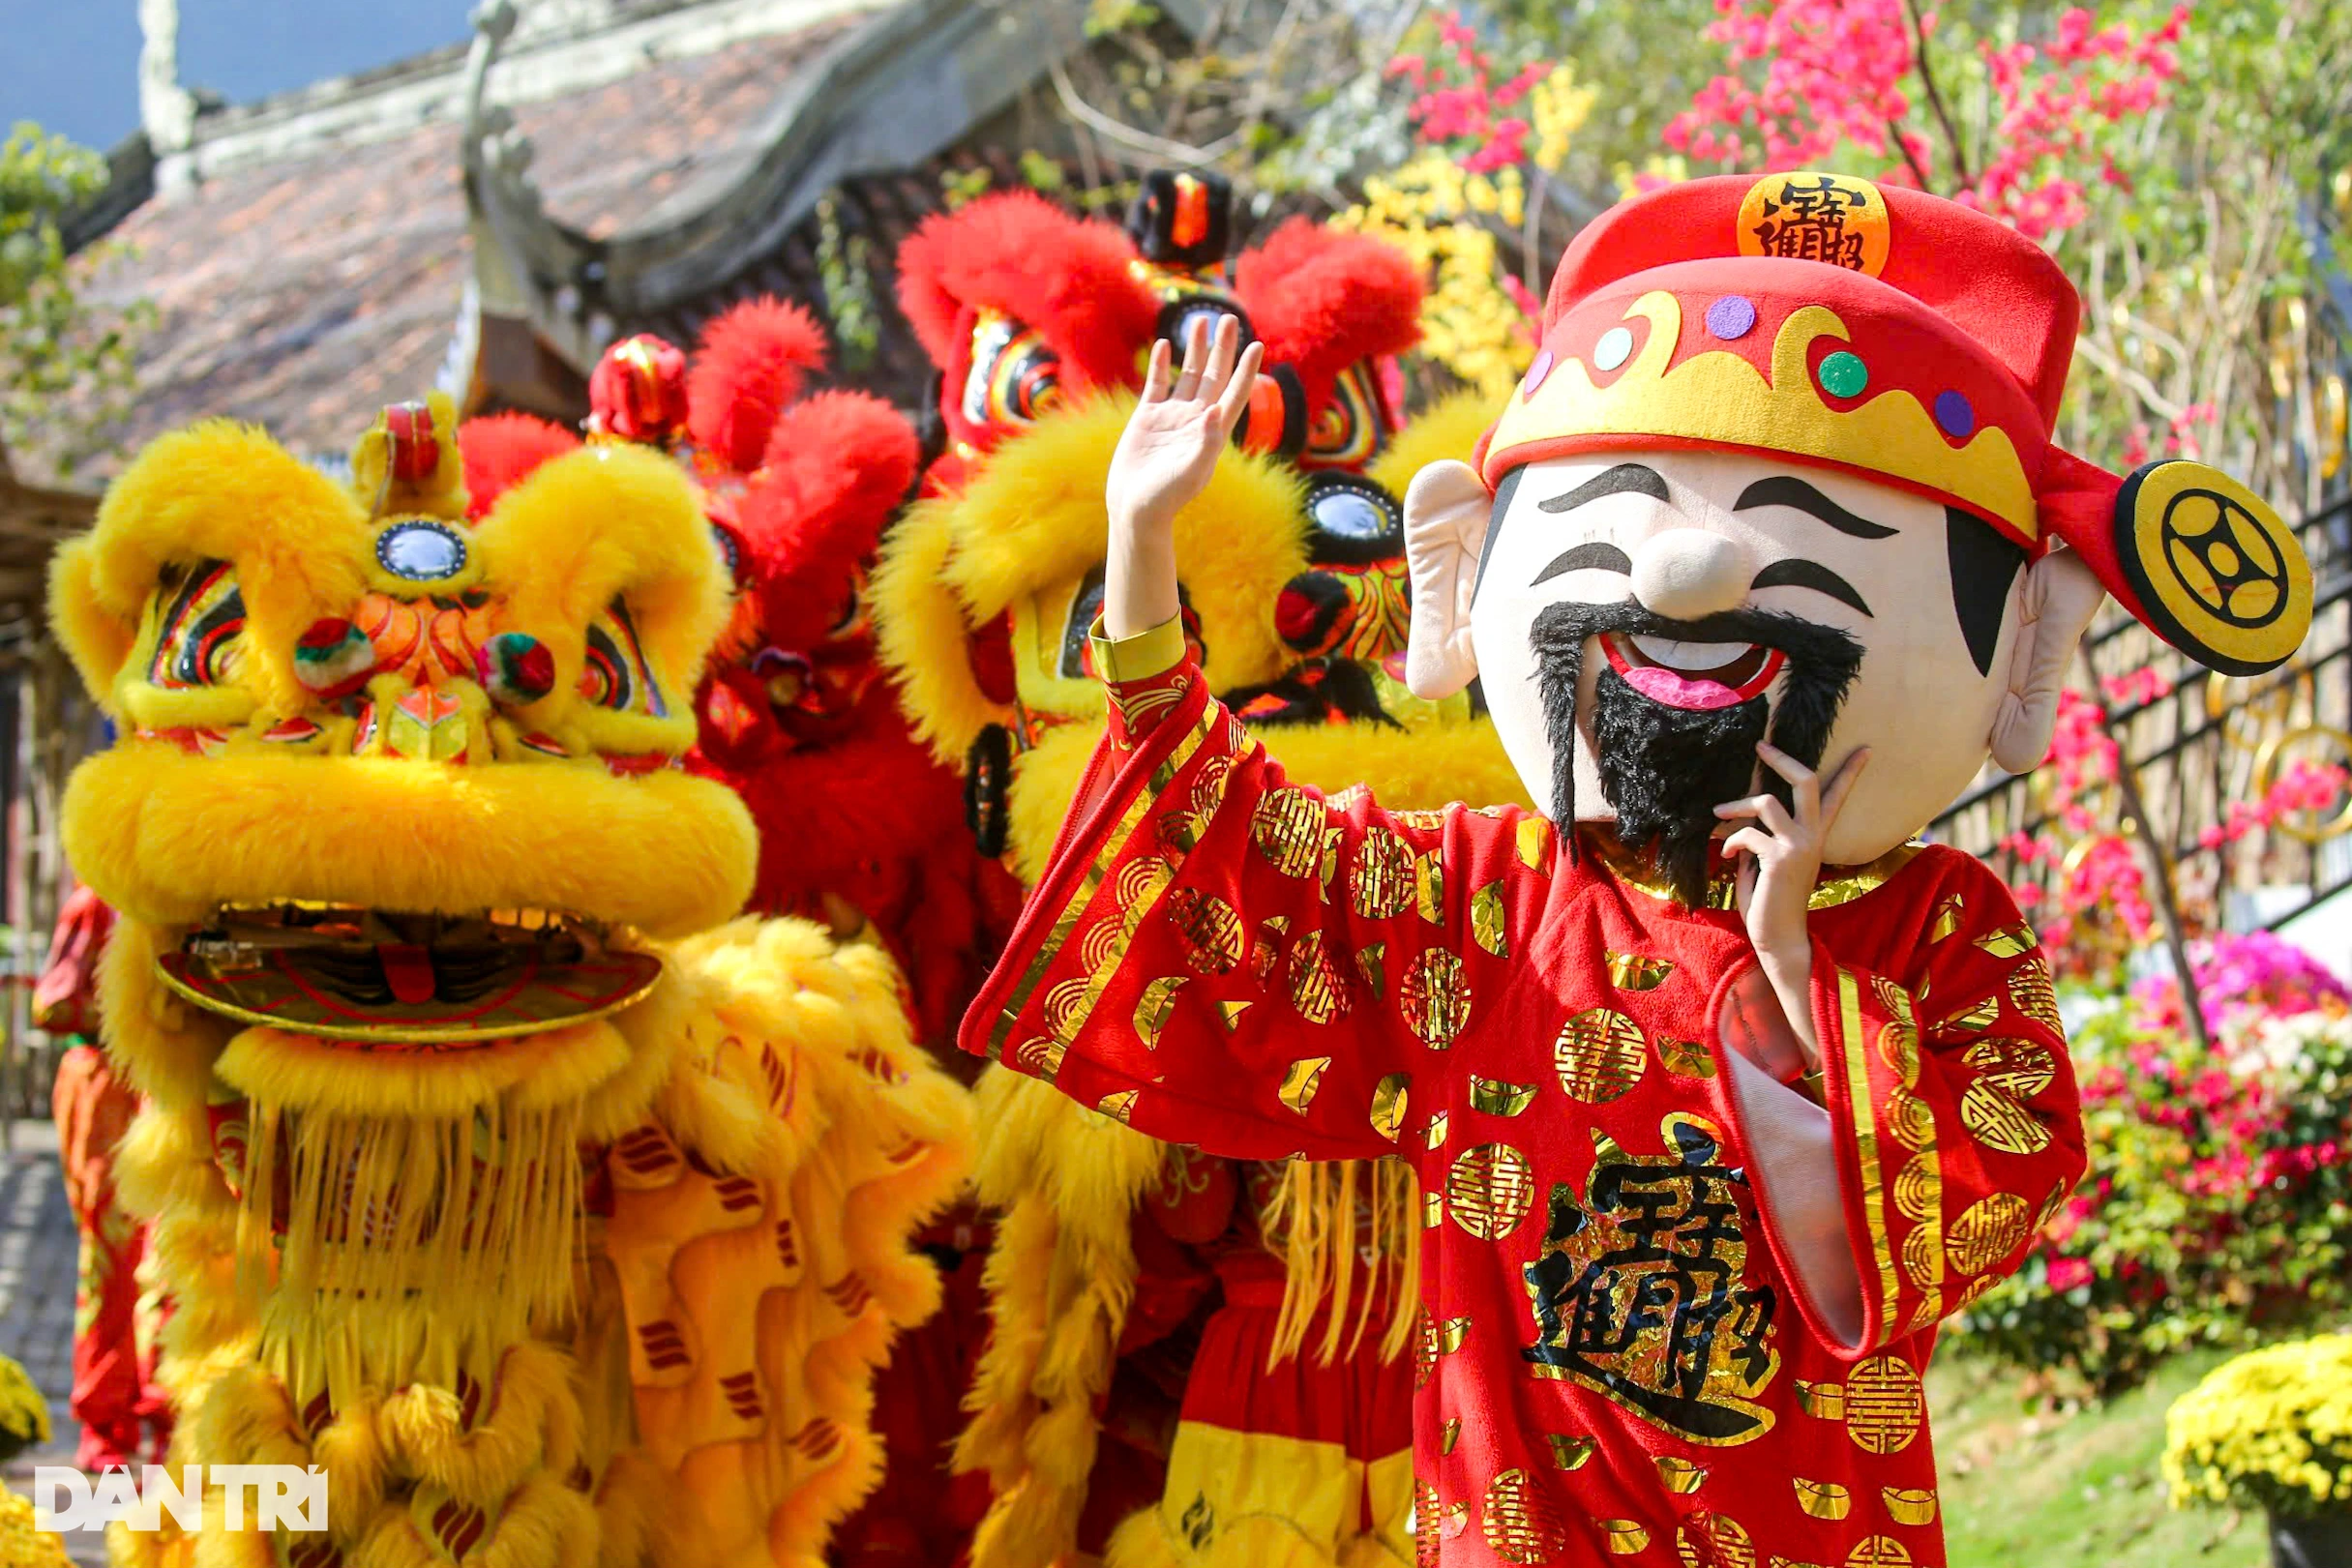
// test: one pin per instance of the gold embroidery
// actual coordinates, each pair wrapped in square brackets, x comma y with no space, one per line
[1156,1008]
[1300,1081]
[2030,989]
[1118,1106]
[1434,998]
[1988,1230]
[1316,987]
[1390,1098]
[1433,1210]
[1229,1014]
[1679,1476]
[1486,923]
[1063,1006]
[1570,1453]
[1535,839]
[1632,971]
[1207,928]
[1623,1537]
[1040,1057]
[1368,964]
[2009,942]
[1830,891]
[1425,1350]
[1910,1505]
[1381,881]
[1733,1547]
[1879,1552]
[1822,1499]
[1827,1401]
[1600,1055]
[1268,947]
[1450,1335]
[1865,1134]
[1429,887]
[1489,1190]
[1971,1020]
[1421,820]
[1910,1119]
[1439,1125]
[1884,1404]
[1495,1098]
[1950,913]
[1287,827]
[1449,1434]
[1520,1522]
[1687,1057]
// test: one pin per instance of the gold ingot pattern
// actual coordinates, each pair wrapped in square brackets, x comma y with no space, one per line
[1570,1453]
[1208,929]
[1489,1190]
[1439,1126]
[1911,1119]
[1974,1018]
[1390,1098]
[1987,1230]
[1884,1404]
[1822,1500]
[2009,942]
[1380,882]
[1452,1333]
[1368,960]
[1733,1545]
[1910,1505]
[1316,987]
[2030,989]
[1635,971]
[1156,1008]
[1623,1537]
[1118,1106]
[1825,1400]
[1435,998]
[1879,1552]
[1947,917]
[1534,837]
[1287,827]
[1486,920]
[1300,1081]
[1519,1521]
[1449,1434]
[1433,1210]
[1495,1098]
[1429,888]
[1679,1475]
[1600,1055]
[1686,1059]
[1230,1014]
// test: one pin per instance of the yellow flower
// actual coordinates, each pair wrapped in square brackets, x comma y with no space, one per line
[20,1545]
[1671,170]
[1557,109]
[2269,1428]
[24,1414]
[1468,324]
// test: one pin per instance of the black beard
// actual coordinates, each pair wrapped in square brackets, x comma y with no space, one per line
[1664,770]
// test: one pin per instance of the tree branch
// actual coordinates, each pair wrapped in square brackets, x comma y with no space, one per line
[1935,98]
[1129,137]
[1894,133]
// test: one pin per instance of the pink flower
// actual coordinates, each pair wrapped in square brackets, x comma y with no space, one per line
[2069,1273]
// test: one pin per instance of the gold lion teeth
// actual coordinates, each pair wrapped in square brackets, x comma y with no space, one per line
[1495,1098]
[1301,1080]
[1635,971]
[1909,1505]
[1681,1476]
[1570,1453]
[1822,1499]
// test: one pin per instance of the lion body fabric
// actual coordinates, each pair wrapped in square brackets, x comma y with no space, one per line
[609,1286]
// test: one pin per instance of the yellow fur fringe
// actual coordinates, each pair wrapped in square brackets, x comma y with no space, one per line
[1334,1222]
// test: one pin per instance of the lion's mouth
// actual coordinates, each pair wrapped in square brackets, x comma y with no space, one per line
[391,978]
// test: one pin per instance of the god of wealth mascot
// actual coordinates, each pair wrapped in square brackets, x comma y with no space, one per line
[495,1168]
[857,822]
[1723,1092]
[1258,1313]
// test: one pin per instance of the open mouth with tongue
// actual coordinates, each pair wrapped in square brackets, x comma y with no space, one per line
[391,981]
[1691,674]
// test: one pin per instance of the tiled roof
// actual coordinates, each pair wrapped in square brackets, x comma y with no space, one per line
[303,295]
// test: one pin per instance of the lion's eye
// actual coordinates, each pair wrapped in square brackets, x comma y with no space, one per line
[202,613]
[1014,379]
[616,673]
[1351,430]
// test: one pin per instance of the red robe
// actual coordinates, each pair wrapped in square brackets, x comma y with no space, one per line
[1620,1354]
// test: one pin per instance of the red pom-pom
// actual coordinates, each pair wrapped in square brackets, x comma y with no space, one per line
[500,449]
[1322,300]
[835,469]
[747,367]
[638,391]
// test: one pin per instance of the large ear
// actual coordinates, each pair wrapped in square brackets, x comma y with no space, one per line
[2061,595]
[96,637]
[1446,517]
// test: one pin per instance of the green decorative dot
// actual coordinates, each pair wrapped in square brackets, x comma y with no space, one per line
[1844,375]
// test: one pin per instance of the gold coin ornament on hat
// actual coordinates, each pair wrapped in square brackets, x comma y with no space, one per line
[2220,574]
[1808,216]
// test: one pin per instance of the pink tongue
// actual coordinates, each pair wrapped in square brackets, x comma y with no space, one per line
[409,972]
[1662,685]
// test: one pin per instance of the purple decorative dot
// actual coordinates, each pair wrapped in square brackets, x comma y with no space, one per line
[1956,415]
[1732,317]
[1536,374]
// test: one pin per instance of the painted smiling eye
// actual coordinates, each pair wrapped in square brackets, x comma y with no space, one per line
[616,673]
[201,616]
[1014,379]
[1352,428]
[856,617]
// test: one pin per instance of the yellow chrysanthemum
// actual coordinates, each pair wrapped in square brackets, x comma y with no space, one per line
[1469,323]
[21,1546]
[2271,1427]
[1557,109]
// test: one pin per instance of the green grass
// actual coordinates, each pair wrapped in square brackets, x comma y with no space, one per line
[2028,1488]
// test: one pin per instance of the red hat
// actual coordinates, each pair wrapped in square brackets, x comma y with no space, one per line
[1904,338]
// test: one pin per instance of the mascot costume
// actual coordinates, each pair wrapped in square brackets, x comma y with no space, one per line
[492,1170]
[1135,1282]
[1713,1131]
[858,824]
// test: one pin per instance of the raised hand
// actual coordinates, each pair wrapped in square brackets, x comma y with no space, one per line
[1164,460]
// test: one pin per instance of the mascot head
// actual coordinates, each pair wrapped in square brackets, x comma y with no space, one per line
[391,775]
[1783,469]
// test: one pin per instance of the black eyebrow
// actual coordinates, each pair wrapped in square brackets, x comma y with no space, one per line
[1794,573]
[1596,555]
[1625,477]
[1787,490]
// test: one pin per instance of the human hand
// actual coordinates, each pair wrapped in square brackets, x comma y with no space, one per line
[1163,458]
[1781,862]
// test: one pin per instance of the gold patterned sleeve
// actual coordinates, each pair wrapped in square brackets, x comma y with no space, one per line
[1222,957]
[1957,1124]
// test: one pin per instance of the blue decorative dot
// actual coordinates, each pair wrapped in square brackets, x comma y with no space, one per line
[1536,374]
[1844,375]
[1732,317]
[1956,416]
[421,551]
[1616,346]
